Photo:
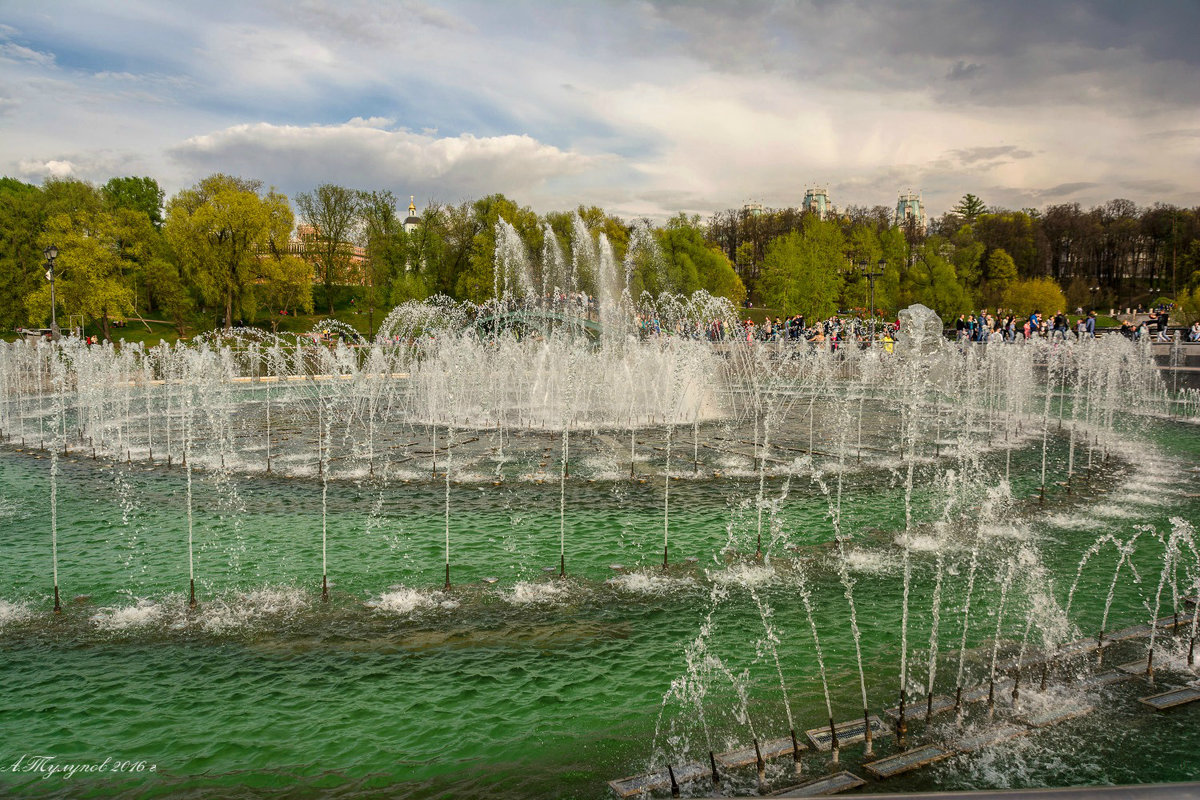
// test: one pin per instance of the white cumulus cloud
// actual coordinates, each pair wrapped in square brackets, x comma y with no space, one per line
[368,153]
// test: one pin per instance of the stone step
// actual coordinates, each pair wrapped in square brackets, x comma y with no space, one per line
[907,761]
[1044,719]
[1171,699]
[1105,678]
[825,785]
[637,784]
[772,748]
[988,737]
[848,733]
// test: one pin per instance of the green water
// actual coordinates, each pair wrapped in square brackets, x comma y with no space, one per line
[531,687]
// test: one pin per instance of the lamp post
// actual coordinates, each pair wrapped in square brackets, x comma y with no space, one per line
[865,268]
[51,254]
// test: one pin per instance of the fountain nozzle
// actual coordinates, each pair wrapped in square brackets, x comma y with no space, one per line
[674,784]
[716,776]
[57,605]
[192,593]
[833,741]
[324,588]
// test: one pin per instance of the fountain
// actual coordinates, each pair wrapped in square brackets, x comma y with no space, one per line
[854,525]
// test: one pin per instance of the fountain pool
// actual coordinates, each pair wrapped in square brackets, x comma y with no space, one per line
[829,522]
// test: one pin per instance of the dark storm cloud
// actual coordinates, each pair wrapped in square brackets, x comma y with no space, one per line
[975,155]
[979,51]
[645,107]
[962,71]
[1064,189]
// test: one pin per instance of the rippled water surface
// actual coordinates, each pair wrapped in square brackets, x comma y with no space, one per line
[528,686]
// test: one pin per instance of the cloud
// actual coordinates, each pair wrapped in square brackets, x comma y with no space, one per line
[1180,134]
[1064,189]
[975,155]
[963,71]
[369,154]
[670,105]
[10,51]
[40,170]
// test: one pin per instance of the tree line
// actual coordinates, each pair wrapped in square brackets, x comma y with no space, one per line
[227,251]
[1113,255]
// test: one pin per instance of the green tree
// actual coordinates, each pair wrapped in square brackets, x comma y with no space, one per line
[383,245]
[137,194]
[221,229]
[1001,272]
[171,295]
[969,207]
[1036,294]
[331,213]
[478,281]
[967,258]
[689,263]
[286,283]
[934,281]
[1014,232]
[89,279]
[802,271]
[21,262]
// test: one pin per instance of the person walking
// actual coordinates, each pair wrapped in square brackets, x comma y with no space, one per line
[1090,325]
[1060,326]
[1161,323]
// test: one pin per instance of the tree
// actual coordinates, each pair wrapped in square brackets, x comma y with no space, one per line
[286,283]
[1014,232]
[136,194]
[21,214]
[802,271]
[170,293]
[221,229]
[1036,294]
[88,273]
[689,263]
[1001,272]
[332,212]
[969,207]
[967,258]
[934,281]
[479,281]
[383,245]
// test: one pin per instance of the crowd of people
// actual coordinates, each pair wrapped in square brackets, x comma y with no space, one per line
[833,332]
[1010,328]
[837,331]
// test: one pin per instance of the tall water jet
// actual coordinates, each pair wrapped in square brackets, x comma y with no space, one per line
[449,446]
[58,380]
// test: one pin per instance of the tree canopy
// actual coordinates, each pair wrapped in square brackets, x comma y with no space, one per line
[227,248]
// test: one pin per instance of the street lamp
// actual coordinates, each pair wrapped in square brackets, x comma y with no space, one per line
[865,268]
[51,254]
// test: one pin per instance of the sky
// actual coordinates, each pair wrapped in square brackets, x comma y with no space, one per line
[641,108]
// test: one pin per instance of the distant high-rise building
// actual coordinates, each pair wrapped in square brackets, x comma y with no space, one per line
[816,201]
[910,207]
[753,209]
